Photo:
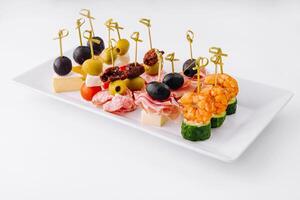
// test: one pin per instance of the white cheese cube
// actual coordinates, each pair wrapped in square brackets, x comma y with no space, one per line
[68,83]
[92,81]
[152,119]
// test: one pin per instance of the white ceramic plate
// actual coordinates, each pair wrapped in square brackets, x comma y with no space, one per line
[257,105]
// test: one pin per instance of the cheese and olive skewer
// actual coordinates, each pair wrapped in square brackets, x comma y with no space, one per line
[64,81]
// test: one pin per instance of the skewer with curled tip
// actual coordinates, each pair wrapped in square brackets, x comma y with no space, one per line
[173,80]
[62,64]
[171,57]
[98,48]
[201,62]
[88,35]
[87,13]
[79,23]
[62,33]
[122,45]
[109,27]
[136,37]
[217,56]
[81,53]
[147,23]
[116,26]
[217,60]
[190,39]
[189,64]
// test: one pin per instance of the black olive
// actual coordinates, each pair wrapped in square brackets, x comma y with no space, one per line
[188,66]
[62,65]
[158,91]
[98,48]
[81,54]
[173,80]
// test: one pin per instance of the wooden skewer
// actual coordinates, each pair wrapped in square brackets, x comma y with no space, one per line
[147,23]
[171,57]
[79,23]
[136,37]
[88,34]
[87,13]
[201,62]
[190,39]
[62,33]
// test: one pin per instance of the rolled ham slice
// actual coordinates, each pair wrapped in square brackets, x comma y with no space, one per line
[168,108]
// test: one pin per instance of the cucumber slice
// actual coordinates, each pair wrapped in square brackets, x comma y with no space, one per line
[231,108]
[217,120]
[195,132]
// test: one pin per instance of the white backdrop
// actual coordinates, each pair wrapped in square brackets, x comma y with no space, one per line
[50,150]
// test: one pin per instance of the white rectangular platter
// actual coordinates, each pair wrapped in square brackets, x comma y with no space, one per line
[257,105]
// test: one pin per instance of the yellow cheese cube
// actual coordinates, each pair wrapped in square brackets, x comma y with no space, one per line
[68,83]
[152,119]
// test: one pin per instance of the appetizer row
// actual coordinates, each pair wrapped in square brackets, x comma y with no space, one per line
[107,78]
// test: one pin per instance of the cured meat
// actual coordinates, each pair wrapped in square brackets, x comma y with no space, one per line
[120,104]
[102,97]
[114,103]
[149,78]
[168,108]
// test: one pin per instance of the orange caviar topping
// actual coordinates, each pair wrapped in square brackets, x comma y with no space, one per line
[218,96]
[196,108]
[225,81]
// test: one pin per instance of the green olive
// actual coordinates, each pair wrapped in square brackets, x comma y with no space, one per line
[106,55]
[92,67]
[122,47]
[135,84]
[152,70]
[117,87]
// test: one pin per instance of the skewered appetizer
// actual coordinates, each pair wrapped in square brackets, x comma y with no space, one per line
[188,67]
[134,81]
[81,53]
[197,109]
[176,81]
[157,103]
[64,80]
[92,68]
[150,60]
[119,52]
[116,98]
[99,46]
[121,47]
[228,83]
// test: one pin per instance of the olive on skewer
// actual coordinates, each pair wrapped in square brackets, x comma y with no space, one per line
[62,65]
[173,80]
[81,53]
[189,65]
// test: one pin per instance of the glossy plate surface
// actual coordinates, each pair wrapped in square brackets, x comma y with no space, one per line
[257,105]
